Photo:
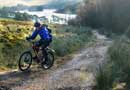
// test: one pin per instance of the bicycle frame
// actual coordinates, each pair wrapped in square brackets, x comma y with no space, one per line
[34,48]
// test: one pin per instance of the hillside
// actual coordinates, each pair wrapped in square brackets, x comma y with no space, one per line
[61,5]
[58,4]
[70,8]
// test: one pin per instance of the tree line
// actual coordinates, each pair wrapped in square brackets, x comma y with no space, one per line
[110,14]
[6,13]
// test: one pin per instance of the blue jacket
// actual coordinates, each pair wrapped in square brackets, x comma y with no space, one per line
[42,32]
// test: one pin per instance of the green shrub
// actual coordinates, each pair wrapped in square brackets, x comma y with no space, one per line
[71,42]
[104,79]
[120,55]
[117,70]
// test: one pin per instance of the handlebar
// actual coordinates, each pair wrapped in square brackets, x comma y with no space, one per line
[31,41]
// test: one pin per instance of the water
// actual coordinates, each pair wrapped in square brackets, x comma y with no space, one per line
[50,13]
[45,12]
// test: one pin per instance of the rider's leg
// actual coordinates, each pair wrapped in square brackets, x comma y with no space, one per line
[44,45]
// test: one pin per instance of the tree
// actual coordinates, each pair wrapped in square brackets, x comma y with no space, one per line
[111,14]
[39,8]
[22,16]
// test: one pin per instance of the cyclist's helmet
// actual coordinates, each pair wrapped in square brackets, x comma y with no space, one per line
[37,24]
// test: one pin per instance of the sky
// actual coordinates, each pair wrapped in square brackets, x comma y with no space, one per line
[24,2]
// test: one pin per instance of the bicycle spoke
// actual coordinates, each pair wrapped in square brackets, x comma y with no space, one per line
[25,61]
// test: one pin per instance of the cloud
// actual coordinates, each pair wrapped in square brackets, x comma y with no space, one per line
[24,2]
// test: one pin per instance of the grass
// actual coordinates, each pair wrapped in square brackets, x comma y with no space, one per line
[117,70]
[67,39]
[73,38]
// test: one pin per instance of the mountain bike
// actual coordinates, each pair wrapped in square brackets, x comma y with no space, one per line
[27,57]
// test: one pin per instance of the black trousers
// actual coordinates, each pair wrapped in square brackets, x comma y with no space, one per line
[43,44]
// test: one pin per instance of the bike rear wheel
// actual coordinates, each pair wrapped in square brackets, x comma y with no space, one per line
[49,61]
[25,61]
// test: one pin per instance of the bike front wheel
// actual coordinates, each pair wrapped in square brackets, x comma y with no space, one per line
[25,61]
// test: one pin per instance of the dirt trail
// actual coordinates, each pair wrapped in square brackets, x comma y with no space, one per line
[76,74]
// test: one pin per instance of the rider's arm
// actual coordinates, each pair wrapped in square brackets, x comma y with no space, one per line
[34,34]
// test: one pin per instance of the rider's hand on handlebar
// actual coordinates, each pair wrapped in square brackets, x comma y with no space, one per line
[28,38]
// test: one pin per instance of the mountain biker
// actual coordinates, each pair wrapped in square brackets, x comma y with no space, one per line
[43,32]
